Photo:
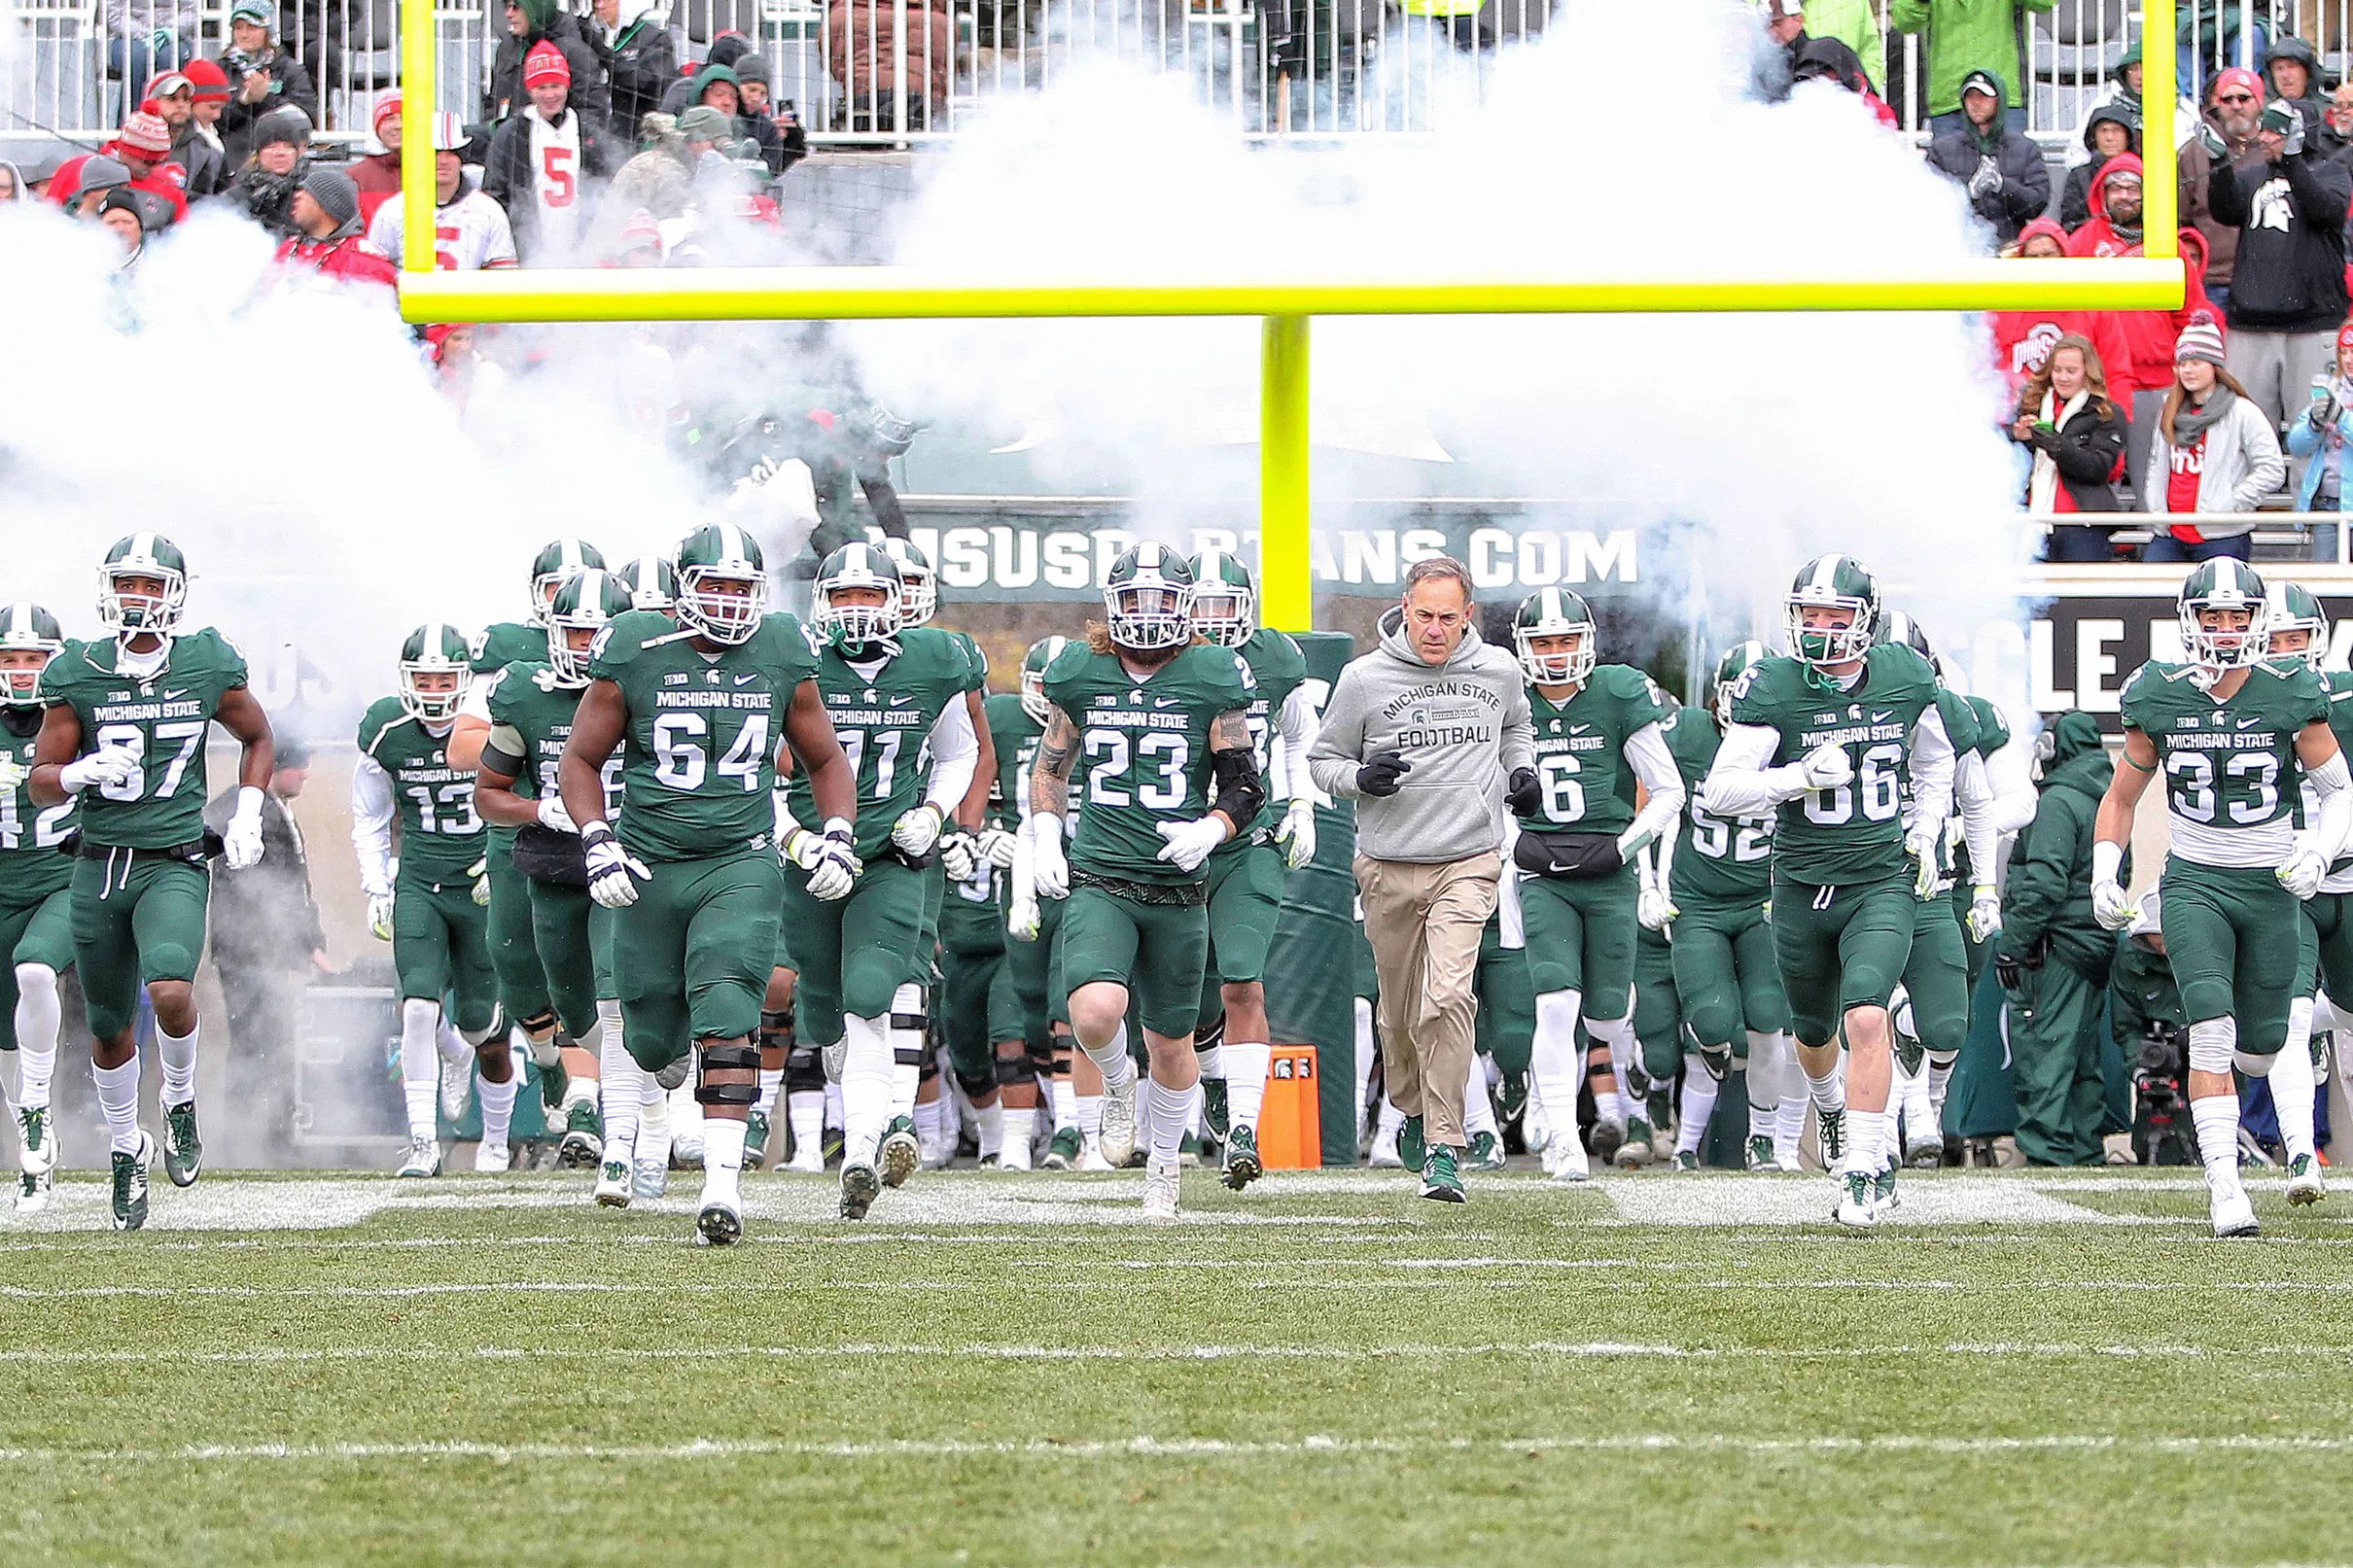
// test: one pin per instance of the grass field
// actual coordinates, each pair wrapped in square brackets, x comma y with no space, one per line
[1659,1370]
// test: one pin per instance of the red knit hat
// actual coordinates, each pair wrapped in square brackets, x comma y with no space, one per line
[545,65]
[387,103]
[143,136]
[208,78]
[2238,76]
[2344,337]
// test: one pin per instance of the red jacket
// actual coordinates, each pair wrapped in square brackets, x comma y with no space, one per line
[166,180]
[2022,338]
[344,255]
[378,177]
[2149,335]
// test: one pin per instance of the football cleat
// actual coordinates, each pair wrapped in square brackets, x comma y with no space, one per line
[1063,1152]
[808,1157]
[493,1159]
[1565,1156]
[756,1139]
[129,1202]
[36,1141]
[1609,1136]
[1511,1100]
[1684,1160]
[1486,1153]
[555,1081]
[1162,1180]
[1241,1163]
[1188,1152]
[1411,1144]
[990,1162]
[612,1183]
[33,1190]
[1635,1152]
[1884,1199]
[898,1154]
[1831,1130]
[1923,1151]
[1217,1117]
[183,1150]
[859,1187]
[1117,1139]
[1441,1181]
[1760,1154]
[1661,1112]
[648,1179]
[2305,1183]
[2227,1205]
[584,1142]
[1856,1207]
[457,1091]
[719,1223]
[1090,1156]
[424,1159]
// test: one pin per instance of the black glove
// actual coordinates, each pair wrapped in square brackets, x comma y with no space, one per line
[1525,794]
[1378,777]
[2007,970]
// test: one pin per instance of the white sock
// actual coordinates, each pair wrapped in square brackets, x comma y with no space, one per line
[1700,1091]
[1118,1068]
[118,1098]
[1478,1103]
[39,1017]
[1921,1116]
[1866,1140]
[1390,1123]
[806,1114]
[1618,1035]
[1020,1128]
[458,1051]
[1368,1052]
[177,1054]
[1828,1091]
[621,1088]
[1064,1095]
[771,1084]
[1554,1064]
[1172,1113]
[906,1049]
[936,1125]
[723,1158]
[992,1132]
[420,1065]
[2294,1090]
[1245,1065]
[1768,1054]
[685,1116]
[866,1086]
[1939,1074]
[1789,1129]
[1211,1061]
[2217,1120]
[1088,1116]
[833,1110]
[653,1127]
[498,1104]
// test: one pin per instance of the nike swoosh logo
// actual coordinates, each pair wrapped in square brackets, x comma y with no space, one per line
[1879,718]
[170,695]
[2250,723]
[901,702]
[1578,729]
[741,679]
[1164,702]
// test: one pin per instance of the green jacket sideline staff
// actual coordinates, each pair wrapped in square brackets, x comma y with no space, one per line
[1421,733]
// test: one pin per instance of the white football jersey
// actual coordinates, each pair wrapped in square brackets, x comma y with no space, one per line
[469,234]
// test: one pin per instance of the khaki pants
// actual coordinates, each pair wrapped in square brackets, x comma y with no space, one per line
[1425,922]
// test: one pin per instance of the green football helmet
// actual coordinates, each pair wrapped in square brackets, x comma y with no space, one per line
[1556,612]
[721,553]
[27,628]
[1225,600]
[1042,653]
[1897,627]
[435,648]
[142,556]
[2287,606]
[1832,582]
[1736,660]
[918,583]
[558,559]
[1148,597]
[863,568]
[2223,583]
[653,584]
[585,604]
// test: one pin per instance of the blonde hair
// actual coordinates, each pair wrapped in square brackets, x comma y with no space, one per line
[2095,379]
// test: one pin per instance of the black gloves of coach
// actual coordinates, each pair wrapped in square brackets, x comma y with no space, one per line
[1524,794]
[1378,777]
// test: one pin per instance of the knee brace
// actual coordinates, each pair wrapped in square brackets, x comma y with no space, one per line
[776,1029]
[803,1072]
[725,1056]
[977,1085]
[1040,1058]
[1062,1046]
[1211,1035]
[2213,1042]
[1014,1071]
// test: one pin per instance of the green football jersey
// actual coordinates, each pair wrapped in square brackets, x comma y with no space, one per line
[1015,735]
[30,867]
[1856,832]
[976,663]
[1718,860]
[883,710]
[162,717]
[2337,686]
[1143,752]
[441,835]
[1588,785]
[698,756]
[1279,668]
[508,642]
[1993,729]
[530,717]
[2230,766]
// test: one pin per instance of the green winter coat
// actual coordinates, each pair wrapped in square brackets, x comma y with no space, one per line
[1965,36]
[2141,992]
[2046,902]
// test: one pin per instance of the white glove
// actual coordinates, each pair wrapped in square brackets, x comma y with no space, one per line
[1924,845]
[1023,919]
[380,916]
[480,871]
[996,846]
[959,856]
[109,767]
[916,831]
[12,774]
[1652,909]
[552,815]
[1050,870]
[2303,873]
[1189,843]
[1826,767]
[1984,912]
[832,866]
[241,844]
[1988,179]
[613,873]
[2110,907]
[1296,833]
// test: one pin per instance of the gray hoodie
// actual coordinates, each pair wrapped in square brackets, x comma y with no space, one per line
[1463,725]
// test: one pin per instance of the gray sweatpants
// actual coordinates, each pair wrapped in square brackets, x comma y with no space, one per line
[2277,368]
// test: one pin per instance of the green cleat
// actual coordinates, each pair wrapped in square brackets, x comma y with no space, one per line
[33,1190]
[1217,1117]
[2306,1184]
[1684,1160]
[183,1150]
[1635,1152]
[1511,1101]
[1662,1108]
[1242,1165]
[1440,1180]
[36,1140]
[1831,1133]
[553,1081]
[130,1184]
[859,1187]
[898,1154]
[1760,1154]
[613,1184]
[829,1146]
[1884,1199]
[583,1144]
[1487,1153]
[1608,1138]
[1856,1209]
[1063,1152]
[756,1140]
[1188,1153]
[1410,1145]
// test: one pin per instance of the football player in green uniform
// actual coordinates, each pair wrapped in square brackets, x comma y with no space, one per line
[1018,1056]
[2297,630]
[1233,1041]
[440,936]
[125,731]
[1716,880]
[1162,723]
[1598,733]
[522,979]
[532,706]
[36,917]
[699,709]
[1826,736]
[896,697]
[2229,731]
[651,581]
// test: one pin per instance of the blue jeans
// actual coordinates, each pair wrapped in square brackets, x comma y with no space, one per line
[2014,120]
[2077,542]
[2165,548]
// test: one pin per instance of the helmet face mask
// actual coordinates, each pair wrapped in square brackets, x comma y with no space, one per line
[1225,601]
[918,583]
[2289,609]
[29,637]
[435,672]
[558,561]
[585,605]
[142,586]
[2224,614]
[1826,589]
[1034,665]
[860,597]
[722,586]
[1728,668]
[1147,596]
[653,584]
[1571,645]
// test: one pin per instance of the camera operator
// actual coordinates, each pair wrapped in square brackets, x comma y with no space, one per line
[2145,1014]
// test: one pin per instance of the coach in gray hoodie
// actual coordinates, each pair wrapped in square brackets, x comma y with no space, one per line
[1423,733]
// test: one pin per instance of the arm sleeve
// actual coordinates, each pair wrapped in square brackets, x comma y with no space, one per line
[2321,190]
[1740,784]
[2225,196]
[2013,795]
[1975,792]
[2334,820]
[1335,756]
[955,753]
[1297,727]
[1655,766]
[372,826]
[1932,767]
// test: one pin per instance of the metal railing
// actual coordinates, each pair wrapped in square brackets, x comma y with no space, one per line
[901,71]
[2277,536]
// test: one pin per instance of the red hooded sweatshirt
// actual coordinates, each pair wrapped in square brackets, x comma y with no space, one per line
[2149,335]
[2022,339]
